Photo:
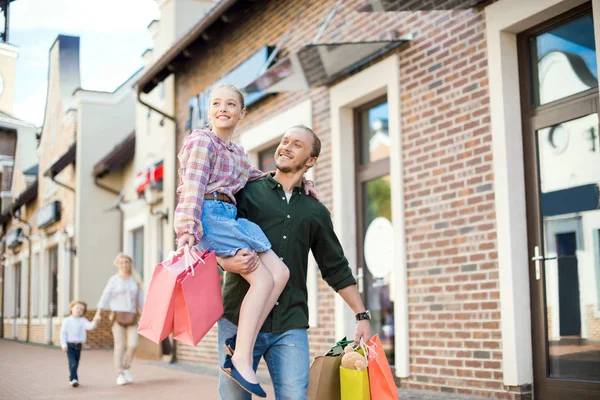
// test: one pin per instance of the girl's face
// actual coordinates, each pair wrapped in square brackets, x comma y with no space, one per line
[77,310]
[225,109]
[124,266]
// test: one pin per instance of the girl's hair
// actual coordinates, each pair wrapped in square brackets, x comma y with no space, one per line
[74,302]
[230,87]
[132,270]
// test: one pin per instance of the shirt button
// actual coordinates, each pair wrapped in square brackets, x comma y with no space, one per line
[278,185]
[283,198]
[289,216]
[276,303]
[285,237]
[281,258]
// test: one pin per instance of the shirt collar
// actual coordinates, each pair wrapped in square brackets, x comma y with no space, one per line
[227,145]
[272,182]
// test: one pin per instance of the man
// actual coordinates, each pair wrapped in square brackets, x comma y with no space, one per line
[294,223]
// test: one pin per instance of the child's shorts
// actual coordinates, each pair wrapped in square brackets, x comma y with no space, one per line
[225,235]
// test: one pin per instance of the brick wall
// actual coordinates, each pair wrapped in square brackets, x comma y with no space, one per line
[593,323]
[101,337]
[454,308]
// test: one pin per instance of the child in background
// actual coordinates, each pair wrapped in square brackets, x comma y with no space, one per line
[72,335]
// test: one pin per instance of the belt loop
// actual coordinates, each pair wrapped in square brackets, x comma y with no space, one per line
[215,195]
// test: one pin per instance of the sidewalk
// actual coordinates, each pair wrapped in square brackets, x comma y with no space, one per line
[30,371]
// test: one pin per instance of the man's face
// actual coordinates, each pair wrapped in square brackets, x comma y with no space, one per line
[293,153]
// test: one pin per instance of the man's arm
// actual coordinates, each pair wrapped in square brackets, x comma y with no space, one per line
[337,273]
[352,298]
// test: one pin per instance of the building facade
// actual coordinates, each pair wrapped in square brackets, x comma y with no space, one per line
[458,162]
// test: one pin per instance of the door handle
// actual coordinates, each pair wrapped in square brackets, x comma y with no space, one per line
[537,257]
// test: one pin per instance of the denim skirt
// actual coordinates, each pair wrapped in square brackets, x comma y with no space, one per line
[225,235]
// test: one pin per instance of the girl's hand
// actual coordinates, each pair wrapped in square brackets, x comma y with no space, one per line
[186,239]
[64,349]
[309,188]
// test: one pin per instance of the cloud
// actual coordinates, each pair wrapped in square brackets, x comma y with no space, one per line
[77,16]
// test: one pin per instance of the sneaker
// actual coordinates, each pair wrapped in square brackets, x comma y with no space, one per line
[121,380]
[127,376]
[74,383]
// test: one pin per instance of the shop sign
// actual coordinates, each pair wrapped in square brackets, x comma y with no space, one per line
[48,215]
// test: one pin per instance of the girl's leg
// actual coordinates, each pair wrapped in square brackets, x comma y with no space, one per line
[261,285]
[281,275]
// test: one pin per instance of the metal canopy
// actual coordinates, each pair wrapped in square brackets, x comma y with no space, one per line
[418,5]
[319,64]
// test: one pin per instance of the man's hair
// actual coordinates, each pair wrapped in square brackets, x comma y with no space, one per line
[74,302]
[316,145]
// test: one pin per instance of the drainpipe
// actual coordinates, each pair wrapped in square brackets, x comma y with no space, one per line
[169,117]
[29,295]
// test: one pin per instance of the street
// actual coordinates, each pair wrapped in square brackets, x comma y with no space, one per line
[30,371]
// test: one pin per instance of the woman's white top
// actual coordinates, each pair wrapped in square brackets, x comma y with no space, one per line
[121,295]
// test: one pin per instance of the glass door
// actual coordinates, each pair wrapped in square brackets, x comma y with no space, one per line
[374,218]
[559,83]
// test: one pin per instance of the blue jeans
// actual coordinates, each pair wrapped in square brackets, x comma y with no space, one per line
[287,358]
[73,354]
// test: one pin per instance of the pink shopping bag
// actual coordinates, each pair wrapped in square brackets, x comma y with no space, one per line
[198,302]
[156,322]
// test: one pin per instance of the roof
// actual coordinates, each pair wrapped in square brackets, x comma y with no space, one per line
[179,51]
[62,162]
[26,197]
[33,170]
[120,155]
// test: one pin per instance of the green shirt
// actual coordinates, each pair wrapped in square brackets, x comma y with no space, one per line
[293,230]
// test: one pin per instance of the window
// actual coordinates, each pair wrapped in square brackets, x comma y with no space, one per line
[266,159]
[53,281]
[137,247]
[374,211]
[17,290]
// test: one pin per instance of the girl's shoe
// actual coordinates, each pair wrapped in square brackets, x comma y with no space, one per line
[229,345]
[252,388]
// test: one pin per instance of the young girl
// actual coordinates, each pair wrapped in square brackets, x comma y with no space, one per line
[73,335]
[212,171]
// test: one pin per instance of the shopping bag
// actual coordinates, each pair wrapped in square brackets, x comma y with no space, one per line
[198,302]
[324,375]
[156,322]
[354,384]
[324,378]
[381,380]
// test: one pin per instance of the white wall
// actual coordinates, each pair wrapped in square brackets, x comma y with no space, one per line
[104,120]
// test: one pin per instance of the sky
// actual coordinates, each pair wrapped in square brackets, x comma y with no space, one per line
[113,35]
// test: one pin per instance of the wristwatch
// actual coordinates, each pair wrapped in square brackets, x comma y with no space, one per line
[363,316]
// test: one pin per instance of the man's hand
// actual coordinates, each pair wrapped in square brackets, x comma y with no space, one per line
[244,262]
[186,239]
[363,329]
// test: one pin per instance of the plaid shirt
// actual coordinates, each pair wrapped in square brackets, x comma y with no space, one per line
[208,164]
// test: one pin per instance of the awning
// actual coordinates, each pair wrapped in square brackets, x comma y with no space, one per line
[320,64]
[26,197]
[120,155]
[419,5]
[62,162]
[179,53]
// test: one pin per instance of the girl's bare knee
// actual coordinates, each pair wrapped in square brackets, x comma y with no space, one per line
[261,278]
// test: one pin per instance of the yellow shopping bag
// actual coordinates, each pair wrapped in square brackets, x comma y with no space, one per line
[354,385]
